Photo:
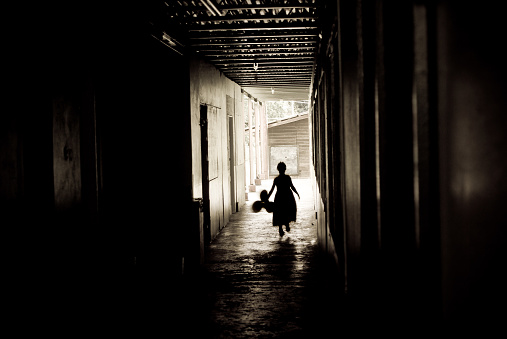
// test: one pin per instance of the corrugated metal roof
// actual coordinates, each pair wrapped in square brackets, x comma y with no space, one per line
[264,46]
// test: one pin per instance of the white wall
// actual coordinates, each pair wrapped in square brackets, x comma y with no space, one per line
[208,86]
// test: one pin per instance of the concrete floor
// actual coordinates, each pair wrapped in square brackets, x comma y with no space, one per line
[261,284]
[254,284]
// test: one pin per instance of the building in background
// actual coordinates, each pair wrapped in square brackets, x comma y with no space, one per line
[288,141]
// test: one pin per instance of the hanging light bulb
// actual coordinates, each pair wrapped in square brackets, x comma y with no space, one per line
[272,90]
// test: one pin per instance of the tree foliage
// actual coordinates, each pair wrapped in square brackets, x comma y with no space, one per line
[276,110]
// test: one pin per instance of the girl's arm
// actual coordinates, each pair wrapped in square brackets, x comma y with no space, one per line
[294,189]
[272,188]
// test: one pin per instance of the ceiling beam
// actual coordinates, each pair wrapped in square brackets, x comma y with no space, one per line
[289,42]
[271,76]
[266,34]
[263,66]
[254,27]
[256,49]
[246,7]
[226,65]
[227,71]
[257,85]
[250,50]
[277,70]
[278,59]
[266,82]
[265,76]
[272,82]
[227,56]
[246,18]
[266,6]
[242,75]
[285,88]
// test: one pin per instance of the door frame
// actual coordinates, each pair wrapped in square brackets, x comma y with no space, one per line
[205,174]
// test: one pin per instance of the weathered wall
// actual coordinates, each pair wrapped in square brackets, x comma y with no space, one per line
[472,143]
[143,119]
[408,140]
[239,151]
[66,153]
[362,129]
[210,88]
[326,120]
[11,162]
[88,171]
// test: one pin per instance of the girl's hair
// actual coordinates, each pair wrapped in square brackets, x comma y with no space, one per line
[281,167]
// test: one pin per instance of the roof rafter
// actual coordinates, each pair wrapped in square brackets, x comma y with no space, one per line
[258,44]
[254,35]
[268,6]
[246,18]
[254,26]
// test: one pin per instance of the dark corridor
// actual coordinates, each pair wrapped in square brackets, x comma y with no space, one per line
[114,202]
[256,283]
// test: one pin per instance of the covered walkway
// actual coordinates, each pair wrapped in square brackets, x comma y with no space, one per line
[256,283]
[122,167]
[267,285]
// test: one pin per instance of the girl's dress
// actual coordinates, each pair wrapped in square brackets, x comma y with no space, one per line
[285,208]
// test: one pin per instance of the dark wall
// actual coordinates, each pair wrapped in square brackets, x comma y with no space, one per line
[408,140]
[95,154]
[472,106]
[143,117]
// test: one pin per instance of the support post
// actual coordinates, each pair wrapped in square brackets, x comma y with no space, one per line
[264,144]
[258,150]
[251,188]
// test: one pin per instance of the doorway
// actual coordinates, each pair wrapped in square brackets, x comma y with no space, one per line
[231,164]
[205,174]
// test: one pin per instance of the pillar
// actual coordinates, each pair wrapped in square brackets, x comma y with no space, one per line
[264,144]
[258,167]
[250,143]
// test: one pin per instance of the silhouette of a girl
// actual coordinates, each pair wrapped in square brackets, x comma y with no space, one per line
[285,208]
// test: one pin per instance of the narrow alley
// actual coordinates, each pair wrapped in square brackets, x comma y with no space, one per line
[135,137]
[254,283]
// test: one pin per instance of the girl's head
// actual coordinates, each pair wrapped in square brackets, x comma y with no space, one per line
[281,167]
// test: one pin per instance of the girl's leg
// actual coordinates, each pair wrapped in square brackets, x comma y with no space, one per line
[280,230]
[287,228]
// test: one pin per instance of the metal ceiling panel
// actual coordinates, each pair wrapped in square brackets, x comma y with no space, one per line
[266,46]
